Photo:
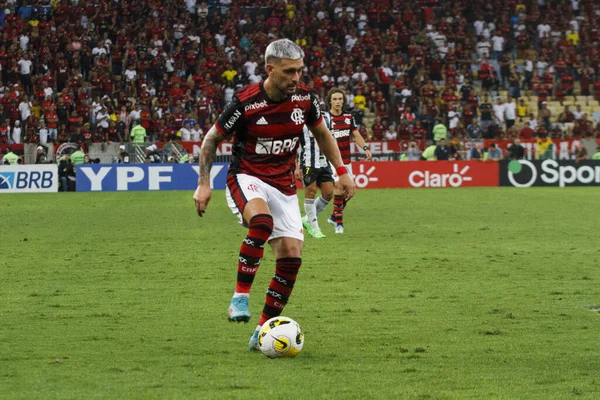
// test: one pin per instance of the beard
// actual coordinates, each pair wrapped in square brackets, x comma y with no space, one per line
[287,90]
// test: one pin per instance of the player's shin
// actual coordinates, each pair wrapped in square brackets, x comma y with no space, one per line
[251,252]
[280,288]
[320,204]
[311,213]
[338,209]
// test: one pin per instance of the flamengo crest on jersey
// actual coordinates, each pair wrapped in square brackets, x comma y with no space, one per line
[266,134]
[298,116]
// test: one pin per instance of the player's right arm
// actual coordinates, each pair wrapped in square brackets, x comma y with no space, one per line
[208,155]
[227,123]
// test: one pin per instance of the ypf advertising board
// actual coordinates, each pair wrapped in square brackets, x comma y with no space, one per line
[525,173]
[28,178]
[140,177]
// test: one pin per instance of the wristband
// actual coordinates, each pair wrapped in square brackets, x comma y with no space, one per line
[365,148]
[341,170]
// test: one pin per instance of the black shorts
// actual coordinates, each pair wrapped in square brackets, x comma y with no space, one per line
[319,175]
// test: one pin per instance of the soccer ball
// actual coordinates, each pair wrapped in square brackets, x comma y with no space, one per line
[280,337]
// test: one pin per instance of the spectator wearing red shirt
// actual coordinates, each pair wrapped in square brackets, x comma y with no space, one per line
[378,129]
[203,110]
[486,74]
[146,118]
[526,132]
[566,81]
[407,117]
[418,132]
[384,77]
[177,118]
[74,121]
[176,93]
[113,134]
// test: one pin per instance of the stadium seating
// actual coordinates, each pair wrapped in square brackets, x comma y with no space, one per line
[183,60]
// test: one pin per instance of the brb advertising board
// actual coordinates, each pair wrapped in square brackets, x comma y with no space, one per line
[422,174]
[525,173]
[29,178]
[130,177]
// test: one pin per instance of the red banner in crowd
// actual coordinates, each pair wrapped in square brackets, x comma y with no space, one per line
[378,146]
[425,174]
[17,148]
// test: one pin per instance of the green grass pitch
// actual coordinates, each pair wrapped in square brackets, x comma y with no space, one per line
[442,294]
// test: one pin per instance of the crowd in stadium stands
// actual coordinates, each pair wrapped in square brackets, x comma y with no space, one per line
[91,71]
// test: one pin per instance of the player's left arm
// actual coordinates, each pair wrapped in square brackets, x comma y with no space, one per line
[361,142]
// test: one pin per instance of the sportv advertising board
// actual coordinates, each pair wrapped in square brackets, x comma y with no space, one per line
[525,173]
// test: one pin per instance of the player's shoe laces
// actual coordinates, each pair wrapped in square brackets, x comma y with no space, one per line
[339,228]
[317,234]
[238,310]
[306,224]
[253,343]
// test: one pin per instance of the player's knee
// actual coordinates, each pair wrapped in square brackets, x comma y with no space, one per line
[310,192]
[290,250]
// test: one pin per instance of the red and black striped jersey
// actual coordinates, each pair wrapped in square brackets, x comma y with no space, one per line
[267,133]
[341,127]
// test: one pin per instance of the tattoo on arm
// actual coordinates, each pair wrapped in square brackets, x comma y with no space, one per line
[208,154]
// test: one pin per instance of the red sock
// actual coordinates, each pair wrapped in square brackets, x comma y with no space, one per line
[280,288]
[338,209]
[252,250]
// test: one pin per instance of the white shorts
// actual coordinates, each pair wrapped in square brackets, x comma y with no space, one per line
[287,221]
[335,175]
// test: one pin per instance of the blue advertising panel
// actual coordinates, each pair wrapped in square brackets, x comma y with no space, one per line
[130,177]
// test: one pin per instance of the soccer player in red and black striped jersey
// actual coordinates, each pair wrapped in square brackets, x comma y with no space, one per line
[344,129]
[266,121]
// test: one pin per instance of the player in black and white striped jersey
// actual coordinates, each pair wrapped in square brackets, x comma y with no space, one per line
[315,172]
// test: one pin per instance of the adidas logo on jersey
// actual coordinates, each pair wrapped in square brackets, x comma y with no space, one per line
[262,121]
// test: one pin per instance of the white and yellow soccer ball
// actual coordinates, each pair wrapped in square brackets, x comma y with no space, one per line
[280,337]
